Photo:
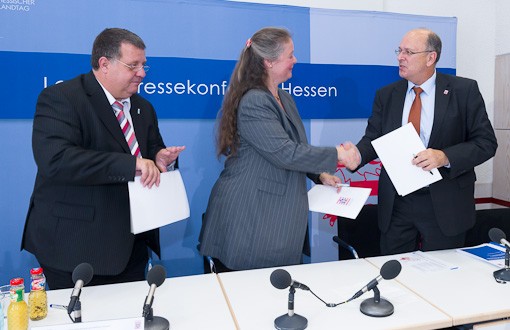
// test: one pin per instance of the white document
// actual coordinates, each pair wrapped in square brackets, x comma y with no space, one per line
[135,323]
[424,262]
[158,206]
[347,203]
[489,252]
[396,151]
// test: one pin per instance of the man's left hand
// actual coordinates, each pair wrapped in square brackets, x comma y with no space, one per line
[430,159]
[167,156]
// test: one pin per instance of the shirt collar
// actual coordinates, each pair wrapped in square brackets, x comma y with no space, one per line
[428,86]
[111,99]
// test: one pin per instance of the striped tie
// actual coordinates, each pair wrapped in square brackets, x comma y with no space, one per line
[128,131]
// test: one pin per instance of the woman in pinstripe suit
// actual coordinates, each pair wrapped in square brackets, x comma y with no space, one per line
[258,209]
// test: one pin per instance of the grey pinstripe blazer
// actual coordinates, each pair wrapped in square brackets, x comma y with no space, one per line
[258,209]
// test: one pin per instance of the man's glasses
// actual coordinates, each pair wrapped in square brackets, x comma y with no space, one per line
[134,68]
[408,52]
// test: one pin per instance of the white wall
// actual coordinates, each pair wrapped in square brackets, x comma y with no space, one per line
[502,27]
[483,32]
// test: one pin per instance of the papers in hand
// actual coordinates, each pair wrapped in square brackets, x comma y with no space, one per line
[396,151]
[158,206]
[347,203]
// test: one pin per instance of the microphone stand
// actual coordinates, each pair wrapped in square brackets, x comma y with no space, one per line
[77,311]
[377,306]
[291,321]
[503,275]
[154,322]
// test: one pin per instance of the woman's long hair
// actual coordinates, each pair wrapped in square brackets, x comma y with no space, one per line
[249,73]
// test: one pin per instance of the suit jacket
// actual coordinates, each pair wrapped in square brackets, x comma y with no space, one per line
[461,129]
[258,209]
[79,209]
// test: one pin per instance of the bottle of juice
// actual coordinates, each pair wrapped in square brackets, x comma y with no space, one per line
[17,313]
[37,299]
[2,321]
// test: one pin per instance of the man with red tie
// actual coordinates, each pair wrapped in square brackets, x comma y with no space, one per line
[449,114]
[91,135]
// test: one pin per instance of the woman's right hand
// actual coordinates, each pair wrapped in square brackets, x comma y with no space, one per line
[348,155]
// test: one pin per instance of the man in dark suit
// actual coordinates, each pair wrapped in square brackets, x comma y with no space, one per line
[79,210]
[453,125]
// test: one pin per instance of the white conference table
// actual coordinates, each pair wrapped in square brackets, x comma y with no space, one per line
[468,294]
[189,302]
[256,303]
[422,300]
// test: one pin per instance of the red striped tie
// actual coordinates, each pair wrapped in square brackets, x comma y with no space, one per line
[128,131]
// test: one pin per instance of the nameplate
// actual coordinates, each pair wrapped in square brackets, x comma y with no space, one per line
[135,323]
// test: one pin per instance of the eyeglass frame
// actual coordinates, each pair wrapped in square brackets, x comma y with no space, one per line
[408,52]
[134,68]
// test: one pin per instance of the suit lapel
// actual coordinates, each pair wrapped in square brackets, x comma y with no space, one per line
[103,109]
[292,115]
[443,94]
[398,97]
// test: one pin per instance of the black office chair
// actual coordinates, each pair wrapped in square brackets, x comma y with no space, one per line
[348,247]
[361,234]
[364,235]
[485,220]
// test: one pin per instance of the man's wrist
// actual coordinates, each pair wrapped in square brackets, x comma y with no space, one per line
[171,166]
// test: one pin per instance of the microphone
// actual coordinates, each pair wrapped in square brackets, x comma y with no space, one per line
[389,271]
[155,277]
[502,275]
[82,275]
[346,246]
[378,306]
[497,235]
[281,279]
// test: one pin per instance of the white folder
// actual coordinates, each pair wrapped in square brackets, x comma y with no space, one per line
[346,203]
[396,151]
[158,206]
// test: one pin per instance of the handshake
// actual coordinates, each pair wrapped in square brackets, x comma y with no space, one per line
[348,155]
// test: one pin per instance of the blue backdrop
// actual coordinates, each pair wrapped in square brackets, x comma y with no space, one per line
[192,46]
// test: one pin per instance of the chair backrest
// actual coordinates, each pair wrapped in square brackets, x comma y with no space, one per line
[362,233]
[485,220]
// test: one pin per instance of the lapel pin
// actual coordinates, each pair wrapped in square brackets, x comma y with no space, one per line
[445,93]
[138,111]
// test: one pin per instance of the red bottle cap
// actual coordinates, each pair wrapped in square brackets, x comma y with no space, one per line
[36,271]
[17,281]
